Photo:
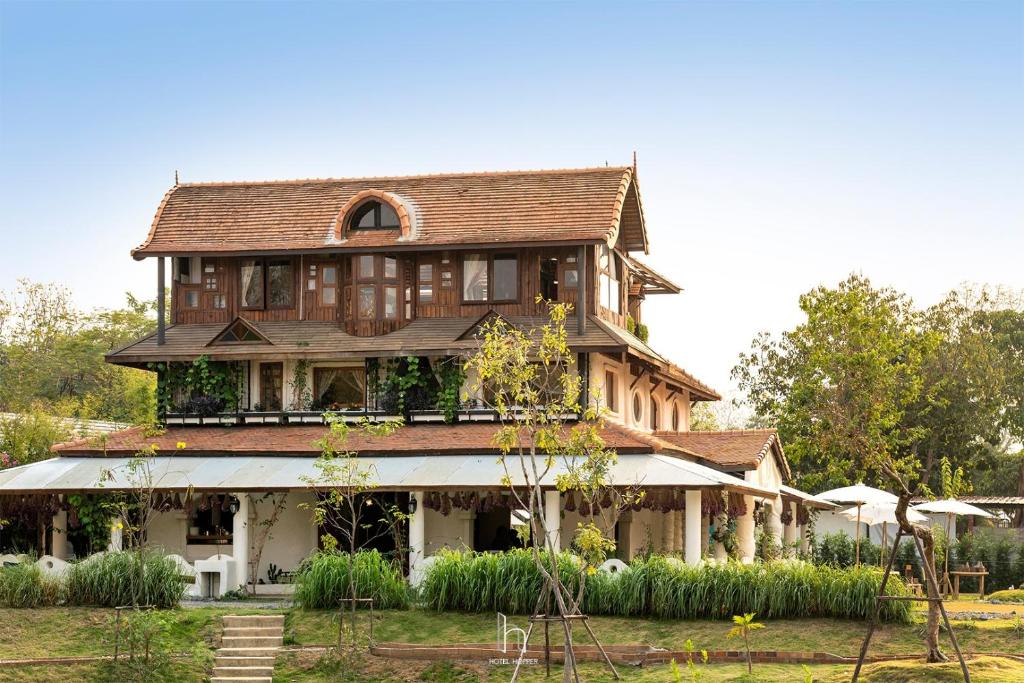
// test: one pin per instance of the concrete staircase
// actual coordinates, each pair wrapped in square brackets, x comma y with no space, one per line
[248,649]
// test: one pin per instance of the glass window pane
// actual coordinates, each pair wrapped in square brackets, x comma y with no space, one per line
[367,302]
[390,303]
[571,278]
[311,284]
[192,299]
[388,217]
[220,301]
[339,388]
[365,267]
[281,287]
[426,272]
[330,275]
[390,267]
[365,217]
[604,288]
[474,277]
[446,278]
[426,294]
[328,297]
[506,277]
[252,284]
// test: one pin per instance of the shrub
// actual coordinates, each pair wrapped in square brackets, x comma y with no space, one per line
[324,579]
[25,585]
[1016,595]
[113,580]
[510,582]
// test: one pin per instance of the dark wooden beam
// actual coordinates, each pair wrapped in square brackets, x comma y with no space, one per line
[581,290]
[161,304]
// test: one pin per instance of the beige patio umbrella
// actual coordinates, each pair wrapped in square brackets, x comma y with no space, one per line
[858,495]
[951,507]
[873,514]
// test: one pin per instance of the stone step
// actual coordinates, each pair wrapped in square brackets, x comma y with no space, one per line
[236,672]
[252,641]
[232,621]
[237,631]
[247,652]
[219,660]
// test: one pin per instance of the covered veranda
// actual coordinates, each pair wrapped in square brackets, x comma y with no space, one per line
[453,499]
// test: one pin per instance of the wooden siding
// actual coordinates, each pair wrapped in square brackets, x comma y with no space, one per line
[446,302]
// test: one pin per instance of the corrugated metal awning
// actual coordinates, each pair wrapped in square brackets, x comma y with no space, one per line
[404,473]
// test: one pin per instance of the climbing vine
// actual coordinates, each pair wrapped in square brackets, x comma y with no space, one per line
[452,376]
[301,390]
[93,515]
[202,387]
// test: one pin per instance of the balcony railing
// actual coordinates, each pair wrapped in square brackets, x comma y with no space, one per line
[298,417]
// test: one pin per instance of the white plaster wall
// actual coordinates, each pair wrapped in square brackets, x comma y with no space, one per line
[446,532]
[292,539]
[767,474]
[167,530]
[644,387]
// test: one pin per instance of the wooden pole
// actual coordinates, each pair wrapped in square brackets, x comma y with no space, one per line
[858,536]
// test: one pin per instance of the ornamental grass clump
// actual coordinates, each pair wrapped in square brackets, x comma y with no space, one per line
[659,587]
[25,585]
[116,579]
[326,577]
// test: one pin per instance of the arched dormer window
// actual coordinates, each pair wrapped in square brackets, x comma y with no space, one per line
[374,215]
[375,210]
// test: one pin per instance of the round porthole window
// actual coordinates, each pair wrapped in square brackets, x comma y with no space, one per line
[638,408]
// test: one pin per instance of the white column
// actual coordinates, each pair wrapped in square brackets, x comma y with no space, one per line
[553,517]
[116,535]
[694,518]
[668,530]
[745,531]
[59,535]
[774,522]
[467,519]
[417,533]
[790,533]
[240,541]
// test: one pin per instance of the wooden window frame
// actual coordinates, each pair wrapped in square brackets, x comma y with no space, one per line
[379,282]
[358,370]
[489,256]
[611,393]
[263,263]
[433,281]
[263,400]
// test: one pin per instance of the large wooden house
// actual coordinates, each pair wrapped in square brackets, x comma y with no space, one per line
[299,298]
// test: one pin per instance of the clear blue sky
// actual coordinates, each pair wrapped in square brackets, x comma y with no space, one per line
[781,145]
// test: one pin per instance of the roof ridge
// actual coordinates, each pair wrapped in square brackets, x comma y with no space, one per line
[454,174]
[765,430]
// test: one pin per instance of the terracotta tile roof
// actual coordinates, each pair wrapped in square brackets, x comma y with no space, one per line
[570,205]
[326,340]
[462,438]
[741,449]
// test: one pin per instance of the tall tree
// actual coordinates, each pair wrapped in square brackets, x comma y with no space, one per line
[52,356]
[868,387]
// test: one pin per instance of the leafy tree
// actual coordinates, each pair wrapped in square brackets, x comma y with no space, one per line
[527,376]
[869,387]
[27,437]
[344,484]
[52,355]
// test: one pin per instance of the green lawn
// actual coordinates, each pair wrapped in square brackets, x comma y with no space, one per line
[52,632]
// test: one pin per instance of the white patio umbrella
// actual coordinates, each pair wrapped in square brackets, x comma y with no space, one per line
[884,514]
[950,506]
[859,495]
